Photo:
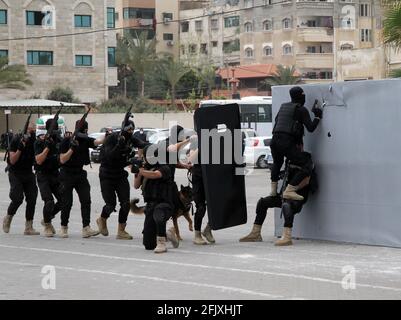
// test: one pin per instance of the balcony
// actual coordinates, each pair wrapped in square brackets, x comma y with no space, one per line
[138,23]
[313,4]
[315,60]
[315,34]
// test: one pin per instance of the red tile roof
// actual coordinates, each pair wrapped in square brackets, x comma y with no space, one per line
[249,71]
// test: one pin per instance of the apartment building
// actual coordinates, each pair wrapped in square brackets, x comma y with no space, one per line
[168,27]
[210,33]
[135,16]
[326,40]
[54,52]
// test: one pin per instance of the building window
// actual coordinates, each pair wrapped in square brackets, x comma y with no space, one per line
[82,21]
[3,53]
[286,23]
[185,26]
[346,46]
[3,16]
[214,24]
[366,35]
[364,10]
[248,3]
[203,48]
[230,22]
[35,18]
[183,50]
[268,2]
[192,48]
[287,50]
[83,61]
[248,53]
[268,51]
[267,25]
[138,13]
[168,36]
[111,18]
[42,58]
[198,25]
[215,44]
[248,27]
[112,57]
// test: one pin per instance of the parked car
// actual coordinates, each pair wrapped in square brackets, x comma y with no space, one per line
[257,152]
[248,133]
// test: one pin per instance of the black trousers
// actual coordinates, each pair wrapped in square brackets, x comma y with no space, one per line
[156,217]
[283,145]
[111,189]
[289,209]
[49,186]
[199,196]
[22,183]
[69,181]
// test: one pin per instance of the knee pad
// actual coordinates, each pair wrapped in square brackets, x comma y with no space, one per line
[108,209]
[161,212]
[49,205]
[287,210]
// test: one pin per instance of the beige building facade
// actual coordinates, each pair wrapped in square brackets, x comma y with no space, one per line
[83,62]
[168,27]
[326,40]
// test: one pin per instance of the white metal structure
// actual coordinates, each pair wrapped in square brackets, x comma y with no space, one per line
[256,112]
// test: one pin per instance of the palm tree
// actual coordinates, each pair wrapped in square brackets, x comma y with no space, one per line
[173,70]
[207,76]
[282,76]
[136,54]
[13,76]
[392,29]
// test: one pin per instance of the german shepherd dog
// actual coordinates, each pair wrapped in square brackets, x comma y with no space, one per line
[186,198]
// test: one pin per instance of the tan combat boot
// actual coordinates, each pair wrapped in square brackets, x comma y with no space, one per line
[273,192]
[29,230]
[51,226]
[122,234]
[161,245]
[172,238]
[290,193]
[207,233]
[102,225]
[254,236]
[48,232]
[87,232]
[285,239]
[63,232]
[7,223]
[198,238]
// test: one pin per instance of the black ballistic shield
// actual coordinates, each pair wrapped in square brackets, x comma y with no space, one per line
[224,188]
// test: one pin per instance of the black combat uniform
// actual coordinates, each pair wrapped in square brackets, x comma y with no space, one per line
[288,134]
[159,207]
[21,177]
[47,175]
[73,176]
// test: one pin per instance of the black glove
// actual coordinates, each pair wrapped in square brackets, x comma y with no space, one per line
[121,142]
[48,143]
[74,145]
[318,112]
[134,169]
[21,145]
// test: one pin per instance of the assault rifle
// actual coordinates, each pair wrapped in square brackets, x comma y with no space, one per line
[80,124]
[23,135]
[128,115]
[54,123]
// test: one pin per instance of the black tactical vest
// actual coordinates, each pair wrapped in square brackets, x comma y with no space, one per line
[285,119]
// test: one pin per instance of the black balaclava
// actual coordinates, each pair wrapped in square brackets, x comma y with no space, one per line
[297,95]
[130,125]
[55,130]
[83,128]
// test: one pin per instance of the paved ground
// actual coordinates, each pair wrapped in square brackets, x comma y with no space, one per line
[106,268]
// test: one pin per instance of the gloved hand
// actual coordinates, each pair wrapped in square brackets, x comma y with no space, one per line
[48,143]
[134,169]
[121,142]
[74,145]
[21,145]
[318,112]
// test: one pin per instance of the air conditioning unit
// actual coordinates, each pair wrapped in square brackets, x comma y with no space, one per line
[170,43]
[166,20]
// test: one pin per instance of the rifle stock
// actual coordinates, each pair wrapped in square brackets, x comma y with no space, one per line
[127,116]
[81,123]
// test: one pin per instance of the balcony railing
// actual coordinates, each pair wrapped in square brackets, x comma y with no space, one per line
[315,60]
[315,34]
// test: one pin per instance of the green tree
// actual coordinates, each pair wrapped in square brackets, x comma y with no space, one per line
[13,76]
[207,75]
[62,94]
[392,28]
[136,54]
[174,70]
[283,75]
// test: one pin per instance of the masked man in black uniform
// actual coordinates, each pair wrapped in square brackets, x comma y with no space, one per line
[288,134]
[22,180]
[157,184]
[47,175]
[74,154]
[288,208]
[114,156]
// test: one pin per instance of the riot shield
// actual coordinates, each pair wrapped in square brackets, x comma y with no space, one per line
[224,184]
